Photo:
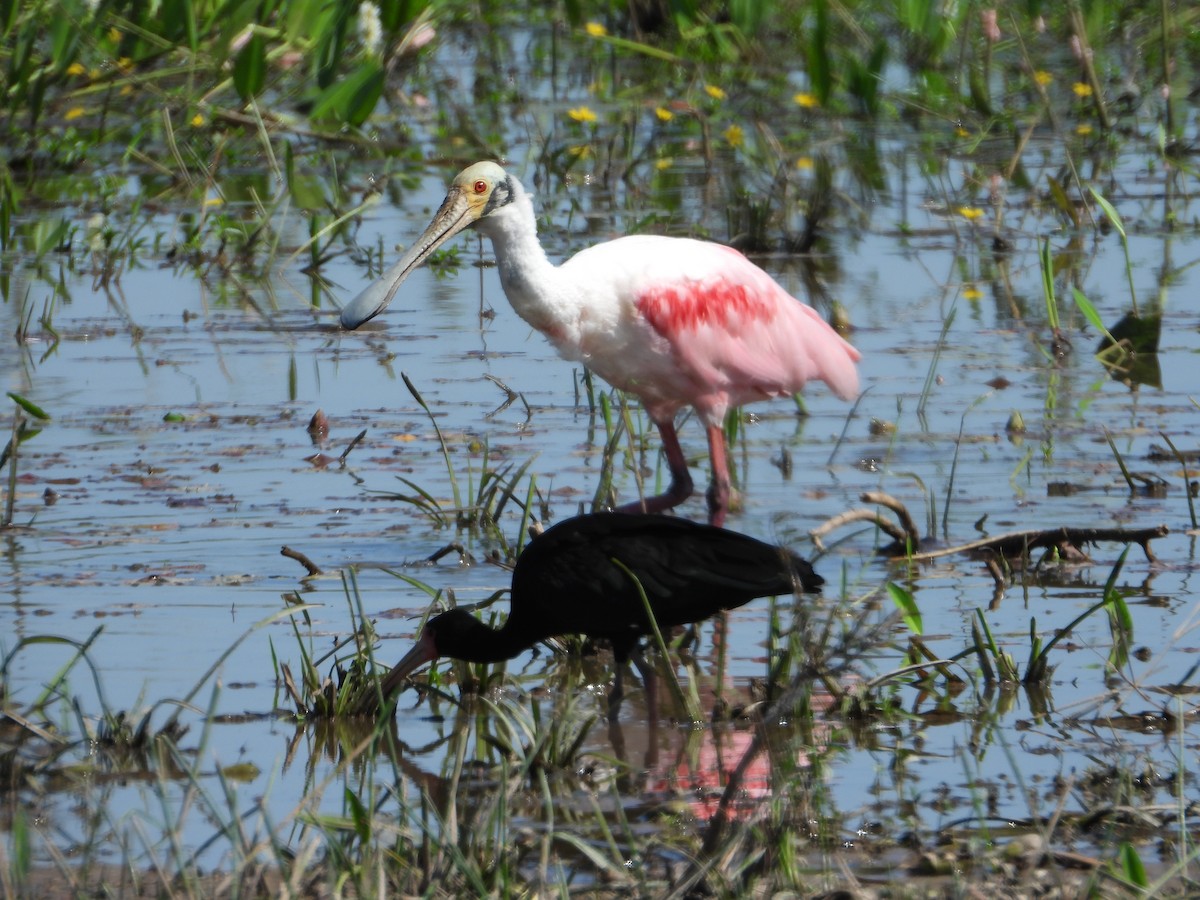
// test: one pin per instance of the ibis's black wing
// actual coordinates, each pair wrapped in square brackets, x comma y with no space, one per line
[568,580]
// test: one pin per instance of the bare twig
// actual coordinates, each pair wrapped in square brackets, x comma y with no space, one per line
[1015,544]
[464,557]
[912,534]
[1019,543]
[313,568]
[856,515]
[354,443]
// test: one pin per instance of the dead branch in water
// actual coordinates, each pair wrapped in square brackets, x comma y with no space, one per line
[855,515]
[906,534]
[313,568]
[1065,540]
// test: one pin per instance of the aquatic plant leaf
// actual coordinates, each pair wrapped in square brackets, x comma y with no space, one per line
[1047,267]
[820,69]
[29,406]
[907,605]
[1132,867]
[1120,625]
[1088,310]
[352,99]
[307,20]
[612,868]
[64,43]
[1109,211]
[981,98]
[244,772]
[653,52]
[250,68]
[864,79]
[8,16]
[179,21]
[1064,204]
[358,812]
[20,852]
[748,15]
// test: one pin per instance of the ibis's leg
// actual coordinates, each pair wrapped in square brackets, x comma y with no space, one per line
[650,680]
[681,479]
[617,693]
[719,491]
[616,737]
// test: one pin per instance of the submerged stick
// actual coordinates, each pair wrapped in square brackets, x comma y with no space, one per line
[1014,544]
[313,568]
[911,531]
[1019,543]
[354,443]
[887,526]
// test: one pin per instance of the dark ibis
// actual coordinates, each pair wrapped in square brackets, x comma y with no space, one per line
[572,579]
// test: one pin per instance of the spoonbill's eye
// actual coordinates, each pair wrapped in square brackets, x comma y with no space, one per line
[481,186]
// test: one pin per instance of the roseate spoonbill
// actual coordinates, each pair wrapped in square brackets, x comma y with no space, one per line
[675,322]
[570,580]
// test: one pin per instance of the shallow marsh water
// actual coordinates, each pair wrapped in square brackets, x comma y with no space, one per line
[179,456]
[181,463]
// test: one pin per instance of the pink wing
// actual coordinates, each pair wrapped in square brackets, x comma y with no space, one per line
[738,334]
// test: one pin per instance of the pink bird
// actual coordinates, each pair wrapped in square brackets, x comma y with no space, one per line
[675,322]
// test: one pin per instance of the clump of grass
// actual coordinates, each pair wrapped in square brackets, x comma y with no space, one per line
[998,665]
[477,505]
[21,432]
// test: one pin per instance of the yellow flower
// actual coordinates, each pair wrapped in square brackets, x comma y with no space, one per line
[197,120]
[715,92]
[663,164]
[734,135]
[114,35]
[1083,129]
[962,132]
[1042,77]
[808,101]
[970,292]
[75,112]
[595,29]
[76,68]
[581,114]
[1081,89]
[664,114]
[125,64]
[804,164]
[970,213]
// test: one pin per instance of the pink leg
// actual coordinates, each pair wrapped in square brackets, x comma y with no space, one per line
[681,479]
[718,491]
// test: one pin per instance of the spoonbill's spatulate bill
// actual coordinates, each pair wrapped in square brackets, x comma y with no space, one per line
[675,322]
[568,581]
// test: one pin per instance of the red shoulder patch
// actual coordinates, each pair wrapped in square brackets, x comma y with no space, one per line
[716,303]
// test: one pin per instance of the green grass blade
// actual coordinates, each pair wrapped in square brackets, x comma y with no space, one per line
[907,605]
[29,406]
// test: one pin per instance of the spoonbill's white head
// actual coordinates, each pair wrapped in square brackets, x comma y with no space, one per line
[476,192]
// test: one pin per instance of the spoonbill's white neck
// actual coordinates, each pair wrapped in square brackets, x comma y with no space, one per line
[531,282]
